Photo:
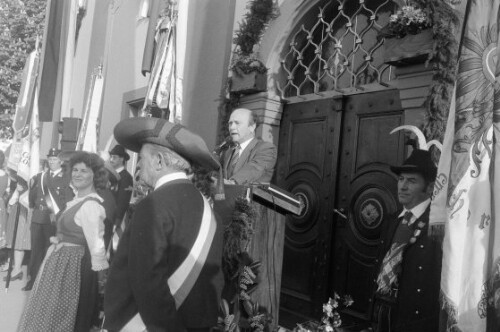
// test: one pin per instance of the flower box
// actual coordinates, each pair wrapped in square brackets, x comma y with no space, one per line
[243,83]
[410,49]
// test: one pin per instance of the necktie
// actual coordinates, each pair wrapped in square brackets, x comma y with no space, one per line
[234,159]
[391,266]
[407,217]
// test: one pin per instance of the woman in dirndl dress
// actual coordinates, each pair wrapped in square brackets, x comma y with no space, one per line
[65,293]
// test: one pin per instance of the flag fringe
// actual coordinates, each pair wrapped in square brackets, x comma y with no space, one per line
[450,314]
[436,231]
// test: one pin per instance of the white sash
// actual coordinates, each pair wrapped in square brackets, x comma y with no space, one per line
[183,279]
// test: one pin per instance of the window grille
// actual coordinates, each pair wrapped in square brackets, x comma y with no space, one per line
[336,46]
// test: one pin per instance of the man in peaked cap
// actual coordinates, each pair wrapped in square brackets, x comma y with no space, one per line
[408,283]
[166,274]
[123,192]
[49,192]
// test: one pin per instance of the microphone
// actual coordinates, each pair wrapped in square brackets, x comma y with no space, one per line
[224,145]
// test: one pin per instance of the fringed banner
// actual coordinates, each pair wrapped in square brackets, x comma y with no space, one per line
[468,171]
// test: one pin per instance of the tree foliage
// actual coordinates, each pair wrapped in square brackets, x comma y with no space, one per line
[20,23]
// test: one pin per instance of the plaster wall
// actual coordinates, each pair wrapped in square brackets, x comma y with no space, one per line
[208,48]
[125,40]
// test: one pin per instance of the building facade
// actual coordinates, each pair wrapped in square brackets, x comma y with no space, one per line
[330,104]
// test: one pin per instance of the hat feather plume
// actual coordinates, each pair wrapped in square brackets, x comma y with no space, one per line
[422,142]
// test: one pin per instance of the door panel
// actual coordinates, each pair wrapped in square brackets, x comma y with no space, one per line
[307,167]
[366,191]
[335,154]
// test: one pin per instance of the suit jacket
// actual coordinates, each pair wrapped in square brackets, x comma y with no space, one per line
[417,304]
[161,233]
[255,164]
[123,194]
[58,187]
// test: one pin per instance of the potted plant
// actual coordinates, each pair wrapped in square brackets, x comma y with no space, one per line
[408,36]
[248,72]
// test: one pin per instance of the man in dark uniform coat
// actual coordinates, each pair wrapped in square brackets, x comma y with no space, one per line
[250,159]
[166,274]
[408,284]
[118,159]
[49,193]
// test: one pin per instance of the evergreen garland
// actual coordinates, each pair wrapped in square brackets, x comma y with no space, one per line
[251,29]
[444,61]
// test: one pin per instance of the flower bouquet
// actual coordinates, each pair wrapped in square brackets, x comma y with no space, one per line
[331,320]
[409,20]
[409,37]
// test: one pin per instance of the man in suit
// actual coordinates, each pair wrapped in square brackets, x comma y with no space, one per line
[166,273]
[49,193]
[408,283]
[118,159]
[250,160]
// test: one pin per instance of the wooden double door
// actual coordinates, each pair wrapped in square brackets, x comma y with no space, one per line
[335,154]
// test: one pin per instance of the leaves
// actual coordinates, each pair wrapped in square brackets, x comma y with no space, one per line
[251,29]
[20,23]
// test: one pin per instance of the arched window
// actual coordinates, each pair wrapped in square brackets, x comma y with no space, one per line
[336,46]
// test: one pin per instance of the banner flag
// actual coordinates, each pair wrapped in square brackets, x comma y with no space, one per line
[154,7]
[24,107]
[87,140]
[467,192]
[165,88]
[52,54]
[29,164]
[25,98]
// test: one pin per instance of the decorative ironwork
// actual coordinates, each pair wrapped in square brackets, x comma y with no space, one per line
[340,49]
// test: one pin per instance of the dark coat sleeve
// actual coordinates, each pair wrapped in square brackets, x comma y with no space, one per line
[119,304]
[148,267]
[123,195]
[260,165]
[34,183]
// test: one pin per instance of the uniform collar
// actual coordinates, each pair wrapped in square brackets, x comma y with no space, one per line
[169,178]
[54,173]
[119,169]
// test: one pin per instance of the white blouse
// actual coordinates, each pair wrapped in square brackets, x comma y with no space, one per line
[90,217]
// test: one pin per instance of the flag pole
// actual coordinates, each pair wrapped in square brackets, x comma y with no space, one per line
[13,246]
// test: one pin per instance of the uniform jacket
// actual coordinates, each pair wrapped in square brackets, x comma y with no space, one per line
[58,187]
[123,194]
[255,164]
[417,304]
[161,233]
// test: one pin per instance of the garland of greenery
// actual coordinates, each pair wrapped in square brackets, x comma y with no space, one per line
[251,29]
[239,312]
[260,13]
[444,61]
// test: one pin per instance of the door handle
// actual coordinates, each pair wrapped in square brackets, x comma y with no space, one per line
[341,212]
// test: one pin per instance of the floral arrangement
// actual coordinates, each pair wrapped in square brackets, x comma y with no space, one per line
[409,20]
[331,319]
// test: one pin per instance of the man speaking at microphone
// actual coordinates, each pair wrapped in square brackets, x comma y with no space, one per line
[250,159]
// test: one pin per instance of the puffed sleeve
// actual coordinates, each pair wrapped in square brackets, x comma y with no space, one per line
[91,218]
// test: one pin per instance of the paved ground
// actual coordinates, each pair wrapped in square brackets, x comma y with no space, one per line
[11,302]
